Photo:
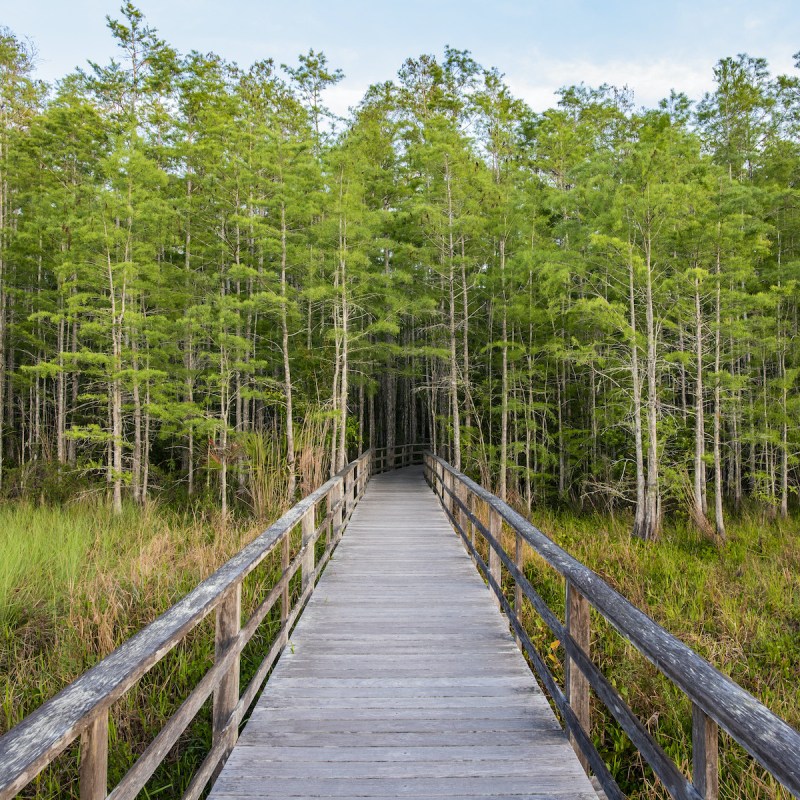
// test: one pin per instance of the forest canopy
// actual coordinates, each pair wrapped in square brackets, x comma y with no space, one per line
[594,305]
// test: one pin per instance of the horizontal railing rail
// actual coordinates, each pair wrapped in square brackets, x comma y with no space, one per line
[403,455]
[717,701]
[82,708]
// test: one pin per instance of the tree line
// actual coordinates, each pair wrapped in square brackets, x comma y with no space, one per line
[593,305]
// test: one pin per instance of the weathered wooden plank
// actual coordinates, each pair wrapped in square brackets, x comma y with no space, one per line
[389,702]
[402,666]
[705,754]
[226,693]
[252,763]
[94,760]
[404,738]
[484,786]
[769,739]
[344,751]
[464,717]
[310,793]
[576,683]
[307,524]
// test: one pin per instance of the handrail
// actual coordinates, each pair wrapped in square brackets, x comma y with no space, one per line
[402,455]
[716,699]
[82,708]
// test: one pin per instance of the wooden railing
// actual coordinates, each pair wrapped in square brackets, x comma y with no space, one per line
[82,708]
[717,702]
[404,455]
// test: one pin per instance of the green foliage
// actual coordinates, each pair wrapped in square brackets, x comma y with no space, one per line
[737,606]
[593,307]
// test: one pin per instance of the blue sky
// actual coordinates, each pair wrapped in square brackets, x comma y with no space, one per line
[649,46]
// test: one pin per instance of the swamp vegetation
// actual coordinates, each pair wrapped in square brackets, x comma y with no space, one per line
[213,293]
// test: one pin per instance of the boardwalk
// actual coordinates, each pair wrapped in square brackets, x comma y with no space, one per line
[401,679]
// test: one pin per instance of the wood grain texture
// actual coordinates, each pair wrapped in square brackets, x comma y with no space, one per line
[576,683]
[307,525]
[705,754]
[94,760]
[766,737]
[226,693]
[401,678]
[32,744]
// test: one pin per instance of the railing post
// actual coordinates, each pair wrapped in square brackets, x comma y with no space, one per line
[94,760]
[348,493]
[461,516]
[576,683]
[705,754]
[446,490]
[285,545]
[519,562]
[226,694]
[336,502]
[496,529]
[308,523]
[471,502]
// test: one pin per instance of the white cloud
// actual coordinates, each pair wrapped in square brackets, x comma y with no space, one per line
[536,79]
[343,96]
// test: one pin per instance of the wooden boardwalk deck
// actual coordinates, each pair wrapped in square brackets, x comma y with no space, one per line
[401,678]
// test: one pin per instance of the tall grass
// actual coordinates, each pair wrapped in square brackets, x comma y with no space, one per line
[266,468]
[76,582]
[737,605]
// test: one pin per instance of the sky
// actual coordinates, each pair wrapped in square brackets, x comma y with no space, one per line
[650,47]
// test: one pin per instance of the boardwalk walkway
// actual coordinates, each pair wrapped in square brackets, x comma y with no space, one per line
[401,679]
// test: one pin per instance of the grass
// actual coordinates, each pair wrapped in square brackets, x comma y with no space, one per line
[75,582]
[737,606]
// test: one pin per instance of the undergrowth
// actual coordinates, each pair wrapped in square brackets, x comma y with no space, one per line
[76,582]
[738,606]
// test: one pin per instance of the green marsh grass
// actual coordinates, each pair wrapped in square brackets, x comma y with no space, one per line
[738,606]
[75,582]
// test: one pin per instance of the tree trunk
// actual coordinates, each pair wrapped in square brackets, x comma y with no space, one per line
[117,321]
[652,519]
[719,517]
[639,513]
[454,408]
[61,392]
[287,372]
[136,461]
[342,456]
[503,490]
[784,501]
[700,501]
